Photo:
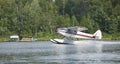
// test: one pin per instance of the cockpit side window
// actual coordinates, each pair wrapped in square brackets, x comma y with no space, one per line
[71,31]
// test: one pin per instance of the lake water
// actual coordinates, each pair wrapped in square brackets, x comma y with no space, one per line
[45,52]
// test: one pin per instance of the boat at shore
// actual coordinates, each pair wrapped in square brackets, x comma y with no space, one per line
[16,38]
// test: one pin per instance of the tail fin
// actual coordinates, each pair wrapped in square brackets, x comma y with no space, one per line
[98,34]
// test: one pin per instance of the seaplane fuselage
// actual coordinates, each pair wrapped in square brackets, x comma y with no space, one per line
[75,32]
[78,34]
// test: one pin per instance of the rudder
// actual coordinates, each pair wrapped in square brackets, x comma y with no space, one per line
[98,34]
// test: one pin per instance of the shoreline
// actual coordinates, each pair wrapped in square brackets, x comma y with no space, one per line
[42,39]
[106,37]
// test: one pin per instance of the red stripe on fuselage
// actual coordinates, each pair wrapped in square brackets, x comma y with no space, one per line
[85,35]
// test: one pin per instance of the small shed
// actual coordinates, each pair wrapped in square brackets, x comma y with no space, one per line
[14,38]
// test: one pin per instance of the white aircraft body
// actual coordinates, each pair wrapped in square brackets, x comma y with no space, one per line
[76,32]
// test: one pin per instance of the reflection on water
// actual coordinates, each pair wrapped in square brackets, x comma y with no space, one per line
[86,52]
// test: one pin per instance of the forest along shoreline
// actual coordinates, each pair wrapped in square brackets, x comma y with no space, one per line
[40,18]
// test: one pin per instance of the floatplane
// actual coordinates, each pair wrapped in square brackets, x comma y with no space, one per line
[75,32]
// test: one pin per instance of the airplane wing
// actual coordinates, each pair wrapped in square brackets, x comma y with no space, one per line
[78,28]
